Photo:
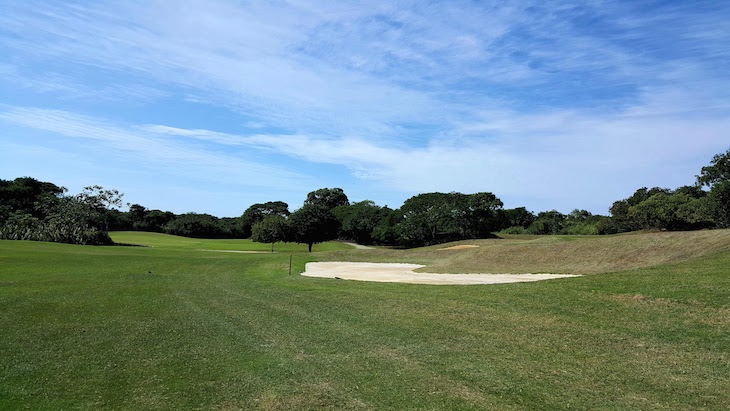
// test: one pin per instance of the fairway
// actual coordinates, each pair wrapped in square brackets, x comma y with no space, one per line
[159,240]
[174,326]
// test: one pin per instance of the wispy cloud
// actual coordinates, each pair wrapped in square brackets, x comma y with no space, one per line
[152,152]
[536,101]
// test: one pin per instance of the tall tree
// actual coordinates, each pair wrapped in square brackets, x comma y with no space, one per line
[259,211]
[433,218]
[313,224]
[359,219]
[28,196]
[620,209]
[271,229]
[99,201]
[519,217]
[548,222]
[195,225]
[386,231]
[484,215]
[328,198]
[717,177]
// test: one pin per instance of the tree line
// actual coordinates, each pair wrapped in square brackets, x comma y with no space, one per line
[41,211]
[35,210]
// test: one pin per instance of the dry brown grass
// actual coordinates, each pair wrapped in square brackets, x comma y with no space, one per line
[555,254]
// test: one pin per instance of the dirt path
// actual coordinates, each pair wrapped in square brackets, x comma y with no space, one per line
[236,251]
[403,273]
[358,246]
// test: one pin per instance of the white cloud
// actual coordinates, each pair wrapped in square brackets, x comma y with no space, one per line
[550,156]
[148,151]
[559,100]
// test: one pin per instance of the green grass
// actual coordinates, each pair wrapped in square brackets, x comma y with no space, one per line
[89,328]
[159,240]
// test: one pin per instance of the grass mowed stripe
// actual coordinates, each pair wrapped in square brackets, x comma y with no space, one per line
[89,328]
[159,240]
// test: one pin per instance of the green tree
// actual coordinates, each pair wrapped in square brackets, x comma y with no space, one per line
[484,215]
[358,220]
[155,220]
[195,225]
[430,218]
[386,231]
[328,198]
[137,217]
[518,217]
[29,196]
[433,218]
[718,171]
[659,211]
[620,209]
[548,222]
[259,211]
[717,177]
[99,201]
[271,229]
[313,224]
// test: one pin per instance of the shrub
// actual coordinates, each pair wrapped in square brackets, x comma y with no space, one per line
[584,228]
[515,229]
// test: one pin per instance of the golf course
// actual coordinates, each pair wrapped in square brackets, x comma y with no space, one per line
[182,323]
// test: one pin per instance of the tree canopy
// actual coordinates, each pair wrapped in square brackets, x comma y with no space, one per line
[259,211]
[717,177]
[35,210]
[272,229]
[328,198]
[359,220]
[433,218]
[312,224]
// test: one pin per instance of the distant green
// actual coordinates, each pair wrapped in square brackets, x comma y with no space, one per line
[171,327]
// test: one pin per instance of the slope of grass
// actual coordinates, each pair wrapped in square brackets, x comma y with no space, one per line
[88,328]
[555,254]
[174,241]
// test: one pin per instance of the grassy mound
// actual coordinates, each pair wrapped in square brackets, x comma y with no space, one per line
[555,254]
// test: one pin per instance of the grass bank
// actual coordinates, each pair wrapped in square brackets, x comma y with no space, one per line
[554,254]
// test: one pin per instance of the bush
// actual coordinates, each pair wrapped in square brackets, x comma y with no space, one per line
[606,226]
[54,231]
[584,228]
[515,229]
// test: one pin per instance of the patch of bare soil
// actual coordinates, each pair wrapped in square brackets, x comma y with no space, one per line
[403,273]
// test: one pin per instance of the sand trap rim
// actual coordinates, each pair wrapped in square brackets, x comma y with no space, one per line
[403,273]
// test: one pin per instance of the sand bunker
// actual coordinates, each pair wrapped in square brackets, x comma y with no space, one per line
[403,273]
[460,247]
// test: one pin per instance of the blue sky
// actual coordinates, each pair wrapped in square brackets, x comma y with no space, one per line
[211,106]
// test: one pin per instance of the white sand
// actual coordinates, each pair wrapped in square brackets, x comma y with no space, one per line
[403,273]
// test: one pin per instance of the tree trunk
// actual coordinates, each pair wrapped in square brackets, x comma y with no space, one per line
[310,247]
